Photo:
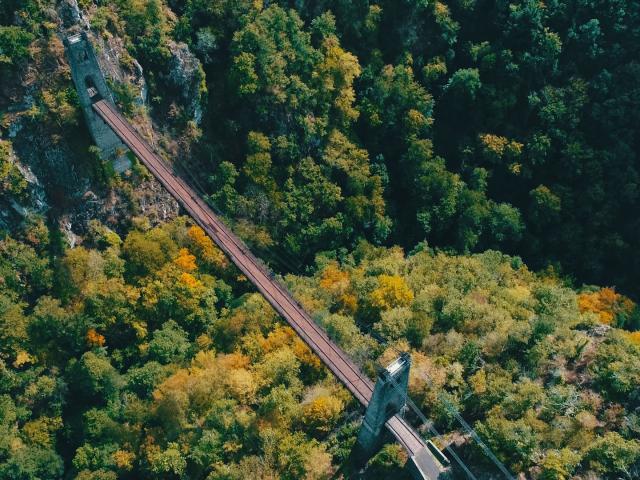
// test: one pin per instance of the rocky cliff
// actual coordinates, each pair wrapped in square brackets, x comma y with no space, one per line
[51,147]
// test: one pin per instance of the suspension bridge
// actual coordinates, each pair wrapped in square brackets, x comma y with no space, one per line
[383,400]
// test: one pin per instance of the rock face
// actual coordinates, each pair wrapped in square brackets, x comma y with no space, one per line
[115,208]
[54,161]
[156,203]
[36,191]
[12,209]
[186,75]
[70,14]
[118,66]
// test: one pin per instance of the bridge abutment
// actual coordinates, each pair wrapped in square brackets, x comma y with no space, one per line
[90,84]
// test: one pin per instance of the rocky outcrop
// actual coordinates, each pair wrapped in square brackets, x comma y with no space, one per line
[187,76]
[32,201]
[156,203]
[71,15]
[118,205]
[37,195]
[49,164]
[55,162]
[118,66]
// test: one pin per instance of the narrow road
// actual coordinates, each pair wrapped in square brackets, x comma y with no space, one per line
[281,300]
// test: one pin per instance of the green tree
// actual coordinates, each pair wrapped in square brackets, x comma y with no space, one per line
[12,182]
[14,45]
[169,344]
[615,368]
[94,378]
[148,252]
[13,325]
[388,463]
[169,461]
[613,454]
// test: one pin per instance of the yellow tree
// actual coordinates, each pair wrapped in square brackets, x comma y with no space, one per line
[185,260]
[321,414]
[392,292]
[336,74]
[606,303]
[204,247]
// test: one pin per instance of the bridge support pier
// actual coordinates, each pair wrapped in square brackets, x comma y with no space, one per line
[91,85]
[388,398]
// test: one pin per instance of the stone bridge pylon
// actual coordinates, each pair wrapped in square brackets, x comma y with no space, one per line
[88,79]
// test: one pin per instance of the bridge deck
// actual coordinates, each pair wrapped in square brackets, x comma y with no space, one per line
[314,336]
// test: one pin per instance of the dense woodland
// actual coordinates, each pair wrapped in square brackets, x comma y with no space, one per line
[398,162]
[152,357]
[468,124]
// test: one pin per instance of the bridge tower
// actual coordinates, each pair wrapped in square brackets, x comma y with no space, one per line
[91,85]
[388,398]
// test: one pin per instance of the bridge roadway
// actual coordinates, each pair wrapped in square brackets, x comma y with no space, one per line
[314,336]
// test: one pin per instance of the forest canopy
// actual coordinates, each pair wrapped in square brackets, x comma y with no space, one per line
[117,363]
[471,125]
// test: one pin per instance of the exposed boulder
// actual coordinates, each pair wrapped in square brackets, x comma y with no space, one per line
[37,195]
[115,208]
[156,203]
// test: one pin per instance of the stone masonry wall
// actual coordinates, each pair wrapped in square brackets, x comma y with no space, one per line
[86,73]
